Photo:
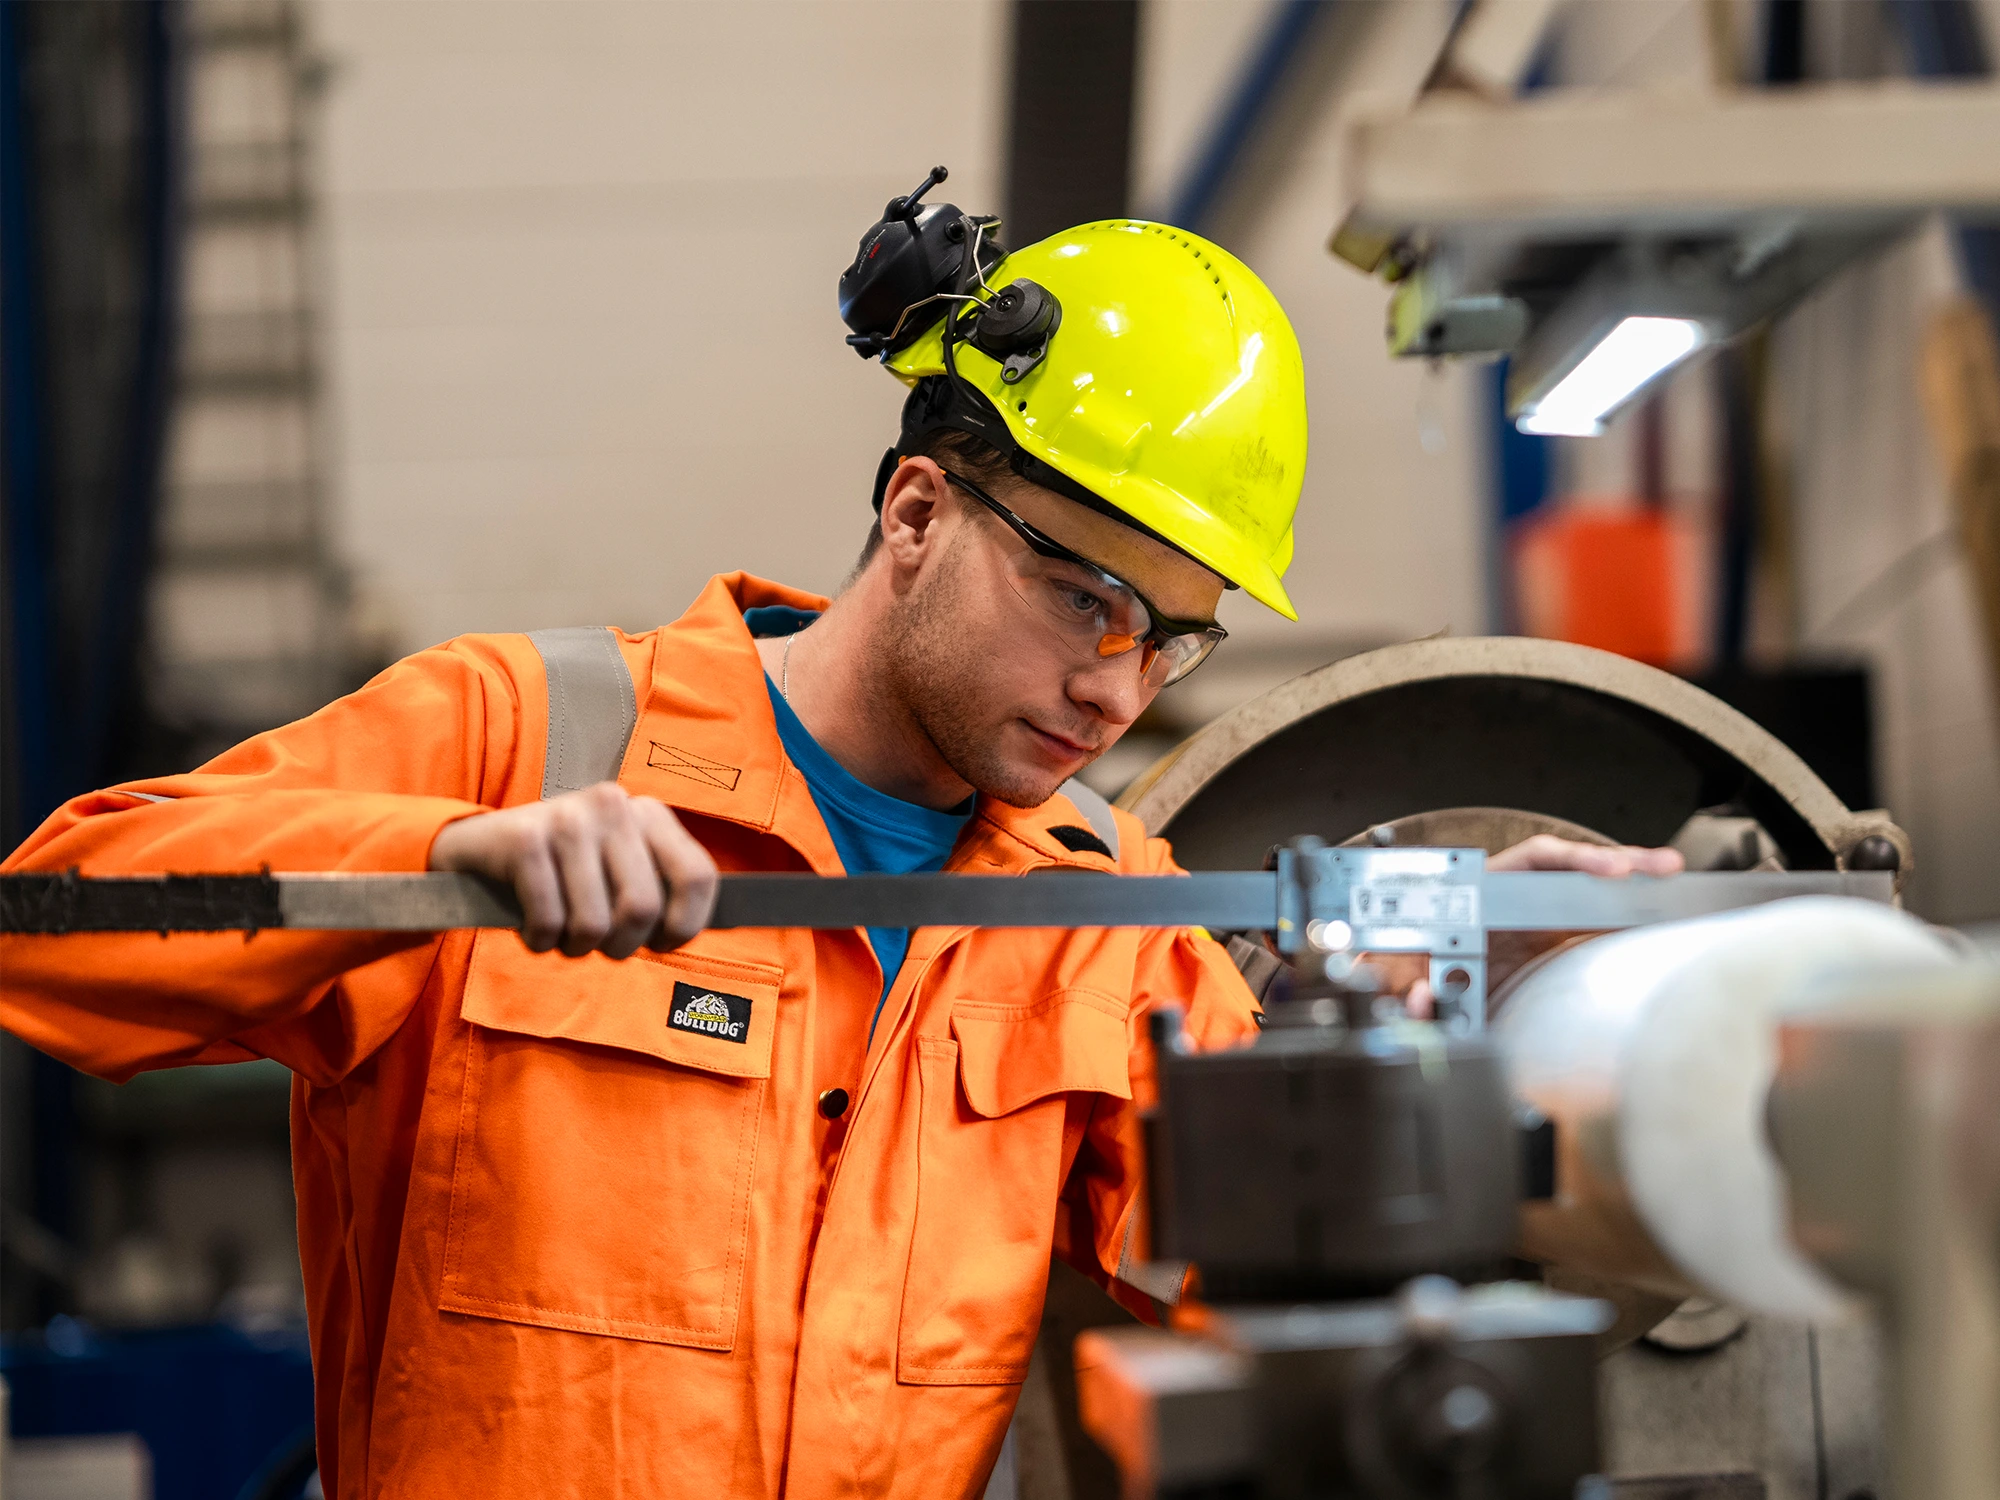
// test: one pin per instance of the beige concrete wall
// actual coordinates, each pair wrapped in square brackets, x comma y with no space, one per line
[582,266]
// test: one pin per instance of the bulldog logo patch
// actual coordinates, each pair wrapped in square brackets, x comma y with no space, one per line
[710,1013]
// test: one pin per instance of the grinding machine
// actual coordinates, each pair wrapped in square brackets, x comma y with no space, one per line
[1704,1209]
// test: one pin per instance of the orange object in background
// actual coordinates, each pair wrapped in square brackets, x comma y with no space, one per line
[1620,579]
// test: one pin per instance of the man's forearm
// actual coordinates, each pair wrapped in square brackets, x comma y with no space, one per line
[116,1003]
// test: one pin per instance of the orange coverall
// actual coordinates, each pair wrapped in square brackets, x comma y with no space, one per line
[554,1246]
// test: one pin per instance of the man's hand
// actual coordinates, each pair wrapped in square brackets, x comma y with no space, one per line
[1409,973]
[595,870]
[1547,852]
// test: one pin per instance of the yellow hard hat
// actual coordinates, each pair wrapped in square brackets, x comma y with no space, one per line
[1167,386]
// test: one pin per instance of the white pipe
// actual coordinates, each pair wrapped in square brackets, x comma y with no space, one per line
[1654,1050]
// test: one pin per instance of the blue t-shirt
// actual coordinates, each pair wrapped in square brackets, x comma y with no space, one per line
[874,833]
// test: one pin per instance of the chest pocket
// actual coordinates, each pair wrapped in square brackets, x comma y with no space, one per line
[990,1158]
[607,1140]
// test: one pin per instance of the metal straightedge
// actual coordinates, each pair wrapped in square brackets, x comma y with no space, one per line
[1442,902]
[1398,899]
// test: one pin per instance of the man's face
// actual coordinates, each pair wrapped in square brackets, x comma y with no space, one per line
[1010,705]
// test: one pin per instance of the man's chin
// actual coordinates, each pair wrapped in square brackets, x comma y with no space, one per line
[1016,785]
[1023,797]
[1010,763]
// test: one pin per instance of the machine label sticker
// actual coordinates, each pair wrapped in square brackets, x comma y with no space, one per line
[710,1013]
[1371,903]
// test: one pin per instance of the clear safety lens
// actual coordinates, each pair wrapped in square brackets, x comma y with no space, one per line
[1093,615]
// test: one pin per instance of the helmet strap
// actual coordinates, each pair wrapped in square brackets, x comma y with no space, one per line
[884,472]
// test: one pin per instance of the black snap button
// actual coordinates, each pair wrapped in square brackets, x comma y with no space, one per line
[833,1103]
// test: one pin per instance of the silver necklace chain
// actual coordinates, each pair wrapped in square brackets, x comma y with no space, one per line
[785,669]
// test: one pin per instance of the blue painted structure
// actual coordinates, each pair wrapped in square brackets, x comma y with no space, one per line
[1522,466]
[110,679]
[1284,41]
[73,634]
[22,481]
[212,1403]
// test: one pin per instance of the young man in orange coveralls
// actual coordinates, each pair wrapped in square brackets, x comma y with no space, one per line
[633,1208]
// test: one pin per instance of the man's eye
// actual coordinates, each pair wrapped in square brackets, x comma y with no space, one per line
[1082,600]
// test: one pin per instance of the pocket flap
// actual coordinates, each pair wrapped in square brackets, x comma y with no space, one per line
[715,1014]
[1010,1056]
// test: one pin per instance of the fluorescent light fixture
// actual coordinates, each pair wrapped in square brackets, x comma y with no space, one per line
[1604,379]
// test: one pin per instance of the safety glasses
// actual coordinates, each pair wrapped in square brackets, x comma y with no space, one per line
[1092,613]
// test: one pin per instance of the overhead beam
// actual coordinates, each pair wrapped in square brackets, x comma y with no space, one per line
[1576,165]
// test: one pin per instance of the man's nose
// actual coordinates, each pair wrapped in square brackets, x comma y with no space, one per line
[1111,689]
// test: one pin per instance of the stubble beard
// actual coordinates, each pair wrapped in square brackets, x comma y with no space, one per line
[933,669]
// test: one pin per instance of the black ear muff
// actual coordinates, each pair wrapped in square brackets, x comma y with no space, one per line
[1015,326]
[907,264]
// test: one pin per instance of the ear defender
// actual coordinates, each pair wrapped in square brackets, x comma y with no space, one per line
[909,270]
[914,257]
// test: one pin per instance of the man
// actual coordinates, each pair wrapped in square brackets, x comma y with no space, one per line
[748,1213]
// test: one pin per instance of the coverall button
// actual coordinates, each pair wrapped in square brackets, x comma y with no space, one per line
[833,1103]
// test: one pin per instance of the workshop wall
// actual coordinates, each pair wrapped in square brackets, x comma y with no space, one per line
[1867,495]
[1866,491]
[583,262]
[584,341]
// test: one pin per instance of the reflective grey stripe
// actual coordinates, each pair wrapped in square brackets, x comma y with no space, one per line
[148,796]
[592,710]
[1161,1280]
[1096,812]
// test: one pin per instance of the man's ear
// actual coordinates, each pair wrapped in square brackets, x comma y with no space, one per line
[915,501]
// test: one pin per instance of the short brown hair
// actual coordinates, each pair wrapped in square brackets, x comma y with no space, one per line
[962,453]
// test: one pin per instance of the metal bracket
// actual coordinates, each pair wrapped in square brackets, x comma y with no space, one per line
[1432,901]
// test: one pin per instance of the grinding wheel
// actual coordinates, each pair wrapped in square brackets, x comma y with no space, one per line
[1481,729]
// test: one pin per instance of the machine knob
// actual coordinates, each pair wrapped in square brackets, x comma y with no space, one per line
[1875,853]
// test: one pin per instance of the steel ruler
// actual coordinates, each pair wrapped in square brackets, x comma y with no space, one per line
[1278,901]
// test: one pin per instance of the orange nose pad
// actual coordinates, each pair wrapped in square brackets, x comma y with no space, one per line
[1116,645]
